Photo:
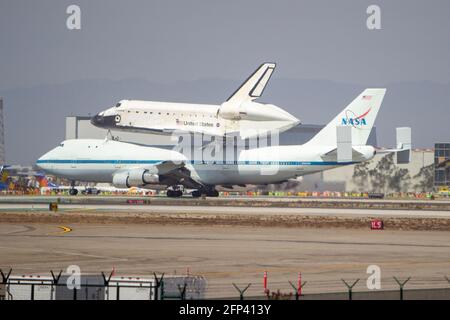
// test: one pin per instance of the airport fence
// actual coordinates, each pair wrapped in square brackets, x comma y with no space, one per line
[193,287]
[411,294]
[429,288]
[101,287]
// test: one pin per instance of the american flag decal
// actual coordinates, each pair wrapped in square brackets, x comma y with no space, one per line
[367,97]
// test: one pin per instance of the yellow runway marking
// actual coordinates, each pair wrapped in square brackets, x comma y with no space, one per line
[64,229]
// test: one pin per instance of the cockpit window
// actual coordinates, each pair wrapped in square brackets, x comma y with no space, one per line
[118,105]
[61,144]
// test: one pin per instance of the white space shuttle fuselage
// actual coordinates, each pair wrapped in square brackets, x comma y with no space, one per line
[238,116]
[251,119]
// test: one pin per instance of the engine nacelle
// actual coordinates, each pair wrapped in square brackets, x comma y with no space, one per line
[134,178]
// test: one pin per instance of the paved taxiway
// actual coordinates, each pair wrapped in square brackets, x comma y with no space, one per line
[250,199]
[214,210]
[227,254]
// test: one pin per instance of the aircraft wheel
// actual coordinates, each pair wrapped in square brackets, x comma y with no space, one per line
[174,193]
[196,194]
[73,192]
[178,193]
[212,193]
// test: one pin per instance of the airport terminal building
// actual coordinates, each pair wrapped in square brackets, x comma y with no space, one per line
[442,164]
[340,179]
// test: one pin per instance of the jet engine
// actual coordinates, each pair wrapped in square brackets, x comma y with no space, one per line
[134,178]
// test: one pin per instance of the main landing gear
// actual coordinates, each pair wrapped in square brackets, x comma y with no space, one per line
[209,192]
[174,192]
[196,194]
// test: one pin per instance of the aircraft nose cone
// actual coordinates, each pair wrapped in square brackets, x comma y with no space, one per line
[102,121]
[97,120]
[46,161]
[40,163]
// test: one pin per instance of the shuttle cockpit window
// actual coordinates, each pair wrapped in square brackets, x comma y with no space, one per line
[118,105]
[61,144]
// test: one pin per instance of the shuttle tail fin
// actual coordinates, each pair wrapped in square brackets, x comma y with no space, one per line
[360,115]
[254,86]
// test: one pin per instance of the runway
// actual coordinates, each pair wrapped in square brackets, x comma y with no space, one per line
[229,210]
[111,199]
[228,244]
[231,254]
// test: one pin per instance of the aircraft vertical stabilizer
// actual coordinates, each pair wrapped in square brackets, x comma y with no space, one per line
[254,86]
[359,115]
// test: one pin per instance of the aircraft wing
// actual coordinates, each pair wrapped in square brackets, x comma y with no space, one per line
[181,176]
[165,167]
[254,86]
[174,173]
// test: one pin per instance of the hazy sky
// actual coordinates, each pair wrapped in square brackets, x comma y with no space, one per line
[200,51]
[166,41]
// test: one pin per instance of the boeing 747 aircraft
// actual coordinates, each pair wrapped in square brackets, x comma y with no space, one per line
[238,116]
[341,142]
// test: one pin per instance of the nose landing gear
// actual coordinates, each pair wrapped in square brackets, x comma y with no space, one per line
[72,190]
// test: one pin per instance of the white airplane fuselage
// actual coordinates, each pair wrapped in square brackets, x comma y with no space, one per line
[98,161]
[341,142]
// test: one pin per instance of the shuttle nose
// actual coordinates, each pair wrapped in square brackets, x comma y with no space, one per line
[99,120]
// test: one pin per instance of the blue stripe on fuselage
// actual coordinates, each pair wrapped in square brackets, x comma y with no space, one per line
[281,163]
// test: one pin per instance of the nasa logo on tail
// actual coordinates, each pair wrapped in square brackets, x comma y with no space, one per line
[351,119]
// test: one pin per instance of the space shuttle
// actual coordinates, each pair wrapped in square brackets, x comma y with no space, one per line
[240,115]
